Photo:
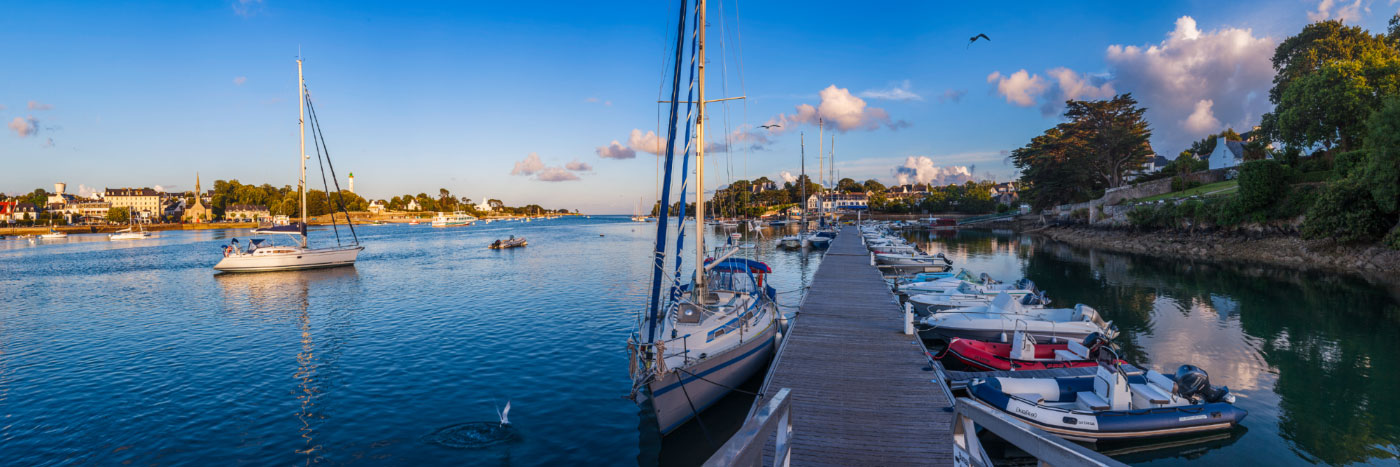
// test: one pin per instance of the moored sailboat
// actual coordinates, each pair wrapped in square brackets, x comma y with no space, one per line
[260,255]
[701,339]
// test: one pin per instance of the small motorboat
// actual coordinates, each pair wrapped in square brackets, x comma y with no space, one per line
[1112,405]
[1023,353]
[933,282]
[790,241]
[968,294]
[907,259]
[1005,315]
[511,242]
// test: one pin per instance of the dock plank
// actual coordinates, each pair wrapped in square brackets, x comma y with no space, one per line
[860,391]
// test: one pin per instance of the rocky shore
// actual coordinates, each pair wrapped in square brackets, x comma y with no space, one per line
[1273,248]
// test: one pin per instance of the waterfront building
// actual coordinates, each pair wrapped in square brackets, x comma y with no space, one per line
[376,206]
[247,212]
[411,206]
[484,205]
[18,211]
[198,212]
[140,203]
[91,210]
[839,202]
[58,199]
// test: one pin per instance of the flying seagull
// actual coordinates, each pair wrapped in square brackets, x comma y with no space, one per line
[979,36]
[775,125]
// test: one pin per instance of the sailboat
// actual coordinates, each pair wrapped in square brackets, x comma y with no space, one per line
[637,213]
[260,255]
[134,231]
[701,339]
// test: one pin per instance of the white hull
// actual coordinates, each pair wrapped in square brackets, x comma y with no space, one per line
[130,236]
[672,401]
[299,259]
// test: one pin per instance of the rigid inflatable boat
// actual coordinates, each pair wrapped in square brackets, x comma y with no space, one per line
[1023,353]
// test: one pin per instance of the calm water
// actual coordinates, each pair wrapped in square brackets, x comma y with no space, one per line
[135,351]
[1315,358]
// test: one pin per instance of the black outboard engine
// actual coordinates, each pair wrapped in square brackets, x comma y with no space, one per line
[1094,339]
[1192,382]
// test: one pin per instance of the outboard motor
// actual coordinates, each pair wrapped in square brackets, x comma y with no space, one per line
[1191,382]
[1094,339]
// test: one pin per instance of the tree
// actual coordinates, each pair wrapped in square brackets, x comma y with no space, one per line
[1230,135]
[1203,147]
[1113,134]
[874,186]
[1052,173]
[847,185]
[118,215]
[1330,78]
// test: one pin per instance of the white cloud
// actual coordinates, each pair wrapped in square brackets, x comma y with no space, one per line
[1075,86]
[36,105]
[532,165]
[616,151]
[578,166]
[594,100]
[247,8]
[85,191]
[24,126]
[1227,67]
[647,142]
[556,174]
[903,92]
[1020,88]
[239,80]
[529,166]
[841,110]
[788,177]
[1345,12]
[1202,120]
[921,170]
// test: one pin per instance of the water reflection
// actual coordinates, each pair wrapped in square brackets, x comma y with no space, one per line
[289,293]
[1312,355]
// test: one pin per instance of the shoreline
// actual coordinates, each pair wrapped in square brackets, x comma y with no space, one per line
[1372,261]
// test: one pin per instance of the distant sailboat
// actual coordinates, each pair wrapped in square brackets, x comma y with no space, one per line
[260,255]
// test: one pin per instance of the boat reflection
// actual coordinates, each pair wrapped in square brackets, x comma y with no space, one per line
[271,295]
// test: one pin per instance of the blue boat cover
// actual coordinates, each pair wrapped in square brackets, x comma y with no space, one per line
[291,229]
[740,265]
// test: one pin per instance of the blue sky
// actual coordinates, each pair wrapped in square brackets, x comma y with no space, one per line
[419,96]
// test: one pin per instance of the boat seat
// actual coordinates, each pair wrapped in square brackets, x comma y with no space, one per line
[1090,401]
[1031,396]
[1146,395]
[1110,386]
[1079,350]
[1023,346]
[1065,355]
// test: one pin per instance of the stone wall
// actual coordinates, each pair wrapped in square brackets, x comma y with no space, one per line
[1113,196]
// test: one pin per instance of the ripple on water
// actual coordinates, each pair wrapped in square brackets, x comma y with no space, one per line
[474,435]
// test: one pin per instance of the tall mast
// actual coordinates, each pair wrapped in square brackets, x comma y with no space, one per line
[802,139]
[301,128]
[700,162]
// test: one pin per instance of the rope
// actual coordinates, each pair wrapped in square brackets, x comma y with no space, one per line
[696,414]
[321,163]
[320,139]
[731,388]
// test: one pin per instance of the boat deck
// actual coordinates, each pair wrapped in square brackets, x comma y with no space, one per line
[863,392]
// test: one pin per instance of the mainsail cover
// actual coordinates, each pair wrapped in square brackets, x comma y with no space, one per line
[295,228]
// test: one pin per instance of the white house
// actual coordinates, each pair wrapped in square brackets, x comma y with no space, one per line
[412,205]
[484,205]
[1227,154]
[838,201]
[376,207]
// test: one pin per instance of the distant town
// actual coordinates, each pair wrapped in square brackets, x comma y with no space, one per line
[232,201]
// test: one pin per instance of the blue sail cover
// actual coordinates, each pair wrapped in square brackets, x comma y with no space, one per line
[741,265]
[295,228]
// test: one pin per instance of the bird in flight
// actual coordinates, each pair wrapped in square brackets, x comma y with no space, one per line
[771,126]
[979,36]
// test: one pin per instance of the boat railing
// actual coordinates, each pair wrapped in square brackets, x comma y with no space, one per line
[745,448]
[1048,449]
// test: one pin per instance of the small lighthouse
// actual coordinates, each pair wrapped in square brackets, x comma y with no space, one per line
[352,182]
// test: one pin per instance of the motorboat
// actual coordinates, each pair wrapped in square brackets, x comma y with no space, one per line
[933,282]
[790,241]
[1022,354]
[909,259]
[1113,405]
[511,242]
[456,219]
[53,235]
[967,294]
[259,255]
[1005,315]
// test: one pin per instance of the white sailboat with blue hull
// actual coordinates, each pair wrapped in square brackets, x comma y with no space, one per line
[700,340]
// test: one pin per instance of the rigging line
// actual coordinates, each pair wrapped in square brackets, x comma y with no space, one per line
[312,113]
[739,46]
[658,252]
[316,121]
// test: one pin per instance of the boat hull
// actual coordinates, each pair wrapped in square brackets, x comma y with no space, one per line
[1090,426]
[307,259]
[991,356]
[990,330]
[672,398]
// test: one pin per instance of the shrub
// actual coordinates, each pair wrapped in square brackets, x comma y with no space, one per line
[1178,184]
[1315,163]
[1296,202]
[1001,208]
[1261,183]
[1349,161]
[1345,211]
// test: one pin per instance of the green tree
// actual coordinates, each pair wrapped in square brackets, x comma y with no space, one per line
[118,215]
[1330,78]
[1052,173]
[1113,136]
[875,186]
